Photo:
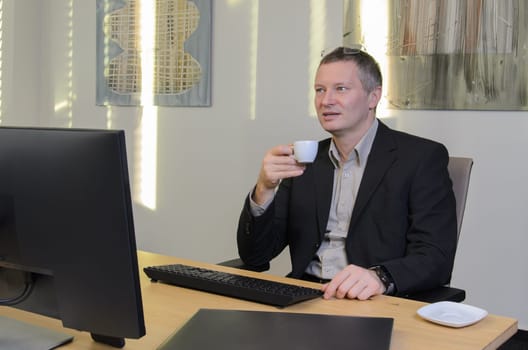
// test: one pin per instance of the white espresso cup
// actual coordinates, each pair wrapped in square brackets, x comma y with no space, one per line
[305,151]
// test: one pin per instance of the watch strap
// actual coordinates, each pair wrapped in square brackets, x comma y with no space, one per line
[385,278]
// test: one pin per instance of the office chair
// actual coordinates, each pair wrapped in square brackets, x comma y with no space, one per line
[459,171]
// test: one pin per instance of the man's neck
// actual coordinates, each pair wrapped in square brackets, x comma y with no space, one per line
[346,142]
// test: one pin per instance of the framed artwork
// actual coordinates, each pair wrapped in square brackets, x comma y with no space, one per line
[181,53]
[450,54]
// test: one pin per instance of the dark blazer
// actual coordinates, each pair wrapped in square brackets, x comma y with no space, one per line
[404,216]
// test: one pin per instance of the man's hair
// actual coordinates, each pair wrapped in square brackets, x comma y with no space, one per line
[368,68]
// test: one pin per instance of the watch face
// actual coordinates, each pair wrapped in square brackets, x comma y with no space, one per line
[383,278]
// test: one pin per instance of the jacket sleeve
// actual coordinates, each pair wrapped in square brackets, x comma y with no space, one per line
[432,228]
[262,238]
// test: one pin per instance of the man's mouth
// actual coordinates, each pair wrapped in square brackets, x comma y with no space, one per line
[330,114]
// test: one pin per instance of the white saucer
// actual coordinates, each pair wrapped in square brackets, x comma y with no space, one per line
[452,314]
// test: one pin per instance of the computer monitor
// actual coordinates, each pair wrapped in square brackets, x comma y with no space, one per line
[67,231]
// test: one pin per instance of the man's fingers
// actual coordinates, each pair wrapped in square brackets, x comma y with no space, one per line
[353,282]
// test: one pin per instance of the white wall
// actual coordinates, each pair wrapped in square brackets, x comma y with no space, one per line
[208,158]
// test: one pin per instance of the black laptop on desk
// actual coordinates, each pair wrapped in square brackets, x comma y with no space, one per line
[256,330]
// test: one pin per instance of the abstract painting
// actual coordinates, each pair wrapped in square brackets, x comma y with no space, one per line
[181,52]
[451,54]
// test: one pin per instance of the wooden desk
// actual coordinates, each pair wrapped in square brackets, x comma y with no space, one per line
[168,307]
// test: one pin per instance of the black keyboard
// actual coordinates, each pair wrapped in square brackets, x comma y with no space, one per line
[232,285]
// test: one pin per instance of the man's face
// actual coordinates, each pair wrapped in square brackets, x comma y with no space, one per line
[342,104]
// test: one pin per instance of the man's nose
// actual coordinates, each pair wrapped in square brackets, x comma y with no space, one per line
[327,98]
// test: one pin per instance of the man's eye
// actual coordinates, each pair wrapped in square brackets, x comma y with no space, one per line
[319,90]
[341,88]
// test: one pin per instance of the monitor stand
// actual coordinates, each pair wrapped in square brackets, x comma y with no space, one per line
[15,334]
[108,340]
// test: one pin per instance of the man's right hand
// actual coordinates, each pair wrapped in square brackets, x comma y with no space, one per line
[278,164]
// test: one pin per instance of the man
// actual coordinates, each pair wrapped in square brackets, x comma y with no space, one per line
[374,214]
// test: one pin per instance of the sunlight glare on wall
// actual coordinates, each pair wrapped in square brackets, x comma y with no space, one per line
[1,50]
[317,44]
[66,100]
[149,112]
[233,3]
[70,64]
[106,61]
[375,33]
[109,117]
[253,59]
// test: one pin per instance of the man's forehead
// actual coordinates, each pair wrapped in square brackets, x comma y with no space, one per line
[344,71]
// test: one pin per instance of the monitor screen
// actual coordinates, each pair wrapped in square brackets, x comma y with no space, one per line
[67,243]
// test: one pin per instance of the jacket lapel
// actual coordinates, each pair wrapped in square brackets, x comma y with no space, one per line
[381,157]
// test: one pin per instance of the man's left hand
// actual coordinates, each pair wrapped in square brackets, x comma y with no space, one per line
[353,282]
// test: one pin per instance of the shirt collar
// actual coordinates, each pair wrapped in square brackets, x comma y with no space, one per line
[361,150]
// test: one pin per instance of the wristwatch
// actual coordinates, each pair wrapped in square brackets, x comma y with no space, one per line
[385,278]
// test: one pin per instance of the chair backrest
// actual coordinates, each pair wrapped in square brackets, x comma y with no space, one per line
[460,170]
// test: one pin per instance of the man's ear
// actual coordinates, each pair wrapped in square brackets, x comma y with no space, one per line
[374,97]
